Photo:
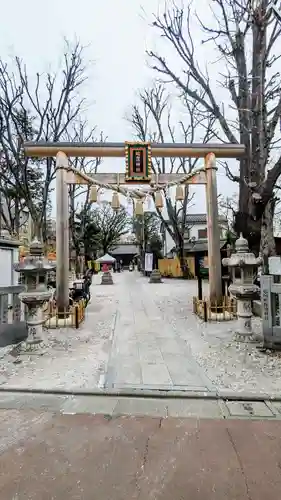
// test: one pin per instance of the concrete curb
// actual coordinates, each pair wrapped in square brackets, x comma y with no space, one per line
[148,393]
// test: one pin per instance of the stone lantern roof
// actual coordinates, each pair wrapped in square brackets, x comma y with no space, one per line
[36,248]
[241,245]
[35,262]
[242,257]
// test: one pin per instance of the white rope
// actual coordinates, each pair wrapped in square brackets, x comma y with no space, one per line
[135,193]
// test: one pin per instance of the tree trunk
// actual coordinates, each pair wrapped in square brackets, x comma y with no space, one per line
[44,228]
[142,258]
[267,243]
[250,227]
[17,218]
[184,267]
[77,264]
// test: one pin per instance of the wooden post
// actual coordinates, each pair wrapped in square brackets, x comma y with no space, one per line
[205,311]
[62,235]
[214,255]
[200,289]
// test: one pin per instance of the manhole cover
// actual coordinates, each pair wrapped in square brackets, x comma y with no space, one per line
[248,409]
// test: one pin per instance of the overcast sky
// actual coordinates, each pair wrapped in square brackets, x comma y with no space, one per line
[117,34]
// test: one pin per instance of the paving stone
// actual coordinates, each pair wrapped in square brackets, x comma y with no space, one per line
[155,374]
[47,402]
[90,404]
[129,351]
[170,346]
[147,341]
[141,406]
[195,408]
[182,370]
[186,379]
[163,333]
[275,407]
[153,356]
[9,401]
[130,373]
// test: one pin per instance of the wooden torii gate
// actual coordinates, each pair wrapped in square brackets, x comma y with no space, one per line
[62,151]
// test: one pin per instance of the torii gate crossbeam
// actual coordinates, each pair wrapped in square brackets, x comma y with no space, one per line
[117,149]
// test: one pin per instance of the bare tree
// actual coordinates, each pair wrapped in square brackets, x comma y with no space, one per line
[146,229]
[79,195]
[111,225]
[13,213]
[41,111]
[152,121]
[238,28]
[228,206]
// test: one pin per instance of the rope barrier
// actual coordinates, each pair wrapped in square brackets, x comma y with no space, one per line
[135,193]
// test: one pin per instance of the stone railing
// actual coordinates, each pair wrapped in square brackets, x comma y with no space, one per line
[10,304]
[12,322]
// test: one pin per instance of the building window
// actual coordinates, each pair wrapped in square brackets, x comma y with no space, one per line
[202,234]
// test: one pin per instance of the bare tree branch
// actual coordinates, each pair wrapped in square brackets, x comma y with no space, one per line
[152,120]
[80,132]
[43,111]
[237,28]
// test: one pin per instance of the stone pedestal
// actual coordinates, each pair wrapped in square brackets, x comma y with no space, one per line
[155,276]
[35,300]
[35,269]
[106,278]
[244,319]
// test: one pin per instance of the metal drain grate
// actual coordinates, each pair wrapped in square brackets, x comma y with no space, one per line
[248,409]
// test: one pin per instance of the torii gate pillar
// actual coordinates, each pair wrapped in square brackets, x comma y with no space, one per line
[62,235]
[213,231]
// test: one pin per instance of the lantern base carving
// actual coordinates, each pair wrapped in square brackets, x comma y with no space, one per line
[35,318]
[244,320]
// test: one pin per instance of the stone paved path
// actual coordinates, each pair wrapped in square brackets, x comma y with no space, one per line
[141,335]
[148,350]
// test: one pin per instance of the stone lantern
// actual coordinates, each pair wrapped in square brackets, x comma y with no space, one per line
[242,265]
[35,269]
[155,276]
